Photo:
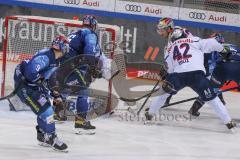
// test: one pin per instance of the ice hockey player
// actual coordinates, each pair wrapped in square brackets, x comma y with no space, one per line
[29,77]
[85,42]
[222,68]
[185,64]
[165,28]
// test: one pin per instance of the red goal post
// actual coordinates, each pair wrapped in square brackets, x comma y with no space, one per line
[25,35]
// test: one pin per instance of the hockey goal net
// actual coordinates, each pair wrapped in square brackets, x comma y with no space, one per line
[25,35]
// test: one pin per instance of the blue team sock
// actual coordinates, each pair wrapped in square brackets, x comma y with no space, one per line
[82,106]
[45,121]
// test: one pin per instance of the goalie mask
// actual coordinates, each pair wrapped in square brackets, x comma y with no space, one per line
[60,43]
[90,21]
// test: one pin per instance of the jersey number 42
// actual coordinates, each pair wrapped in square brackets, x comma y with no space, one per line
[177,55]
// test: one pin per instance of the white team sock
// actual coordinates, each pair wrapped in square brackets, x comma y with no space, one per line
[220,109]
[157,103]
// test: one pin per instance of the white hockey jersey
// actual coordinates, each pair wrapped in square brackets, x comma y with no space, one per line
[187,54]
[189,35]
[186,32]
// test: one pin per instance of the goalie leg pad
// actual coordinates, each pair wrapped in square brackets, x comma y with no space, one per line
[45,121]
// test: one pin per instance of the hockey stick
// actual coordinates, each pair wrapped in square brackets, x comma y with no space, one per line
[13,93]
[149,95]
[186,100]
[190,99]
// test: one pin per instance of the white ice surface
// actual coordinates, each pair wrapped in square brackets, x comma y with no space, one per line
[118,138]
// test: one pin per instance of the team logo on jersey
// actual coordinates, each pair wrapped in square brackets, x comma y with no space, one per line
[42,101]
[133,8]
[197,15]
[76,2]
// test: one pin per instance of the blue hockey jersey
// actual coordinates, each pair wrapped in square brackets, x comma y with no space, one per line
[214,58]
[234,52]
[40,66]
[83,41]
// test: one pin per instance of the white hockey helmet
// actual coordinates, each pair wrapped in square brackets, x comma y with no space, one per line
[177,33]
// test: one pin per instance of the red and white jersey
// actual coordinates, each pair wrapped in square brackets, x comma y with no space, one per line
[187,54]
[189,35]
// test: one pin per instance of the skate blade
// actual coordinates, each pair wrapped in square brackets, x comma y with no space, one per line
[58,122]
[148,122]
[44,144]
[80,131]
[193,116]
[233,130]
[64,151]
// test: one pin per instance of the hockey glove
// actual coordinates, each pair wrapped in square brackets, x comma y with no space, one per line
[55,94]
[57,101]
[57,97]
[40,80]
[59,110]
[225,53]
[96,72]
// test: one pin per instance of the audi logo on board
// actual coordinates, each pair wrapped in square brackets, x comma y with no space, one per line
[76,2]
[133,8]
[197,15]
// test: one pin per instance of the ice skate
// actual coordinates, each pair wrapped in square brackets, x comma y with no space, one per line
[50,140]
[194,110]
[83,126]
[232,126]
[147,115]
